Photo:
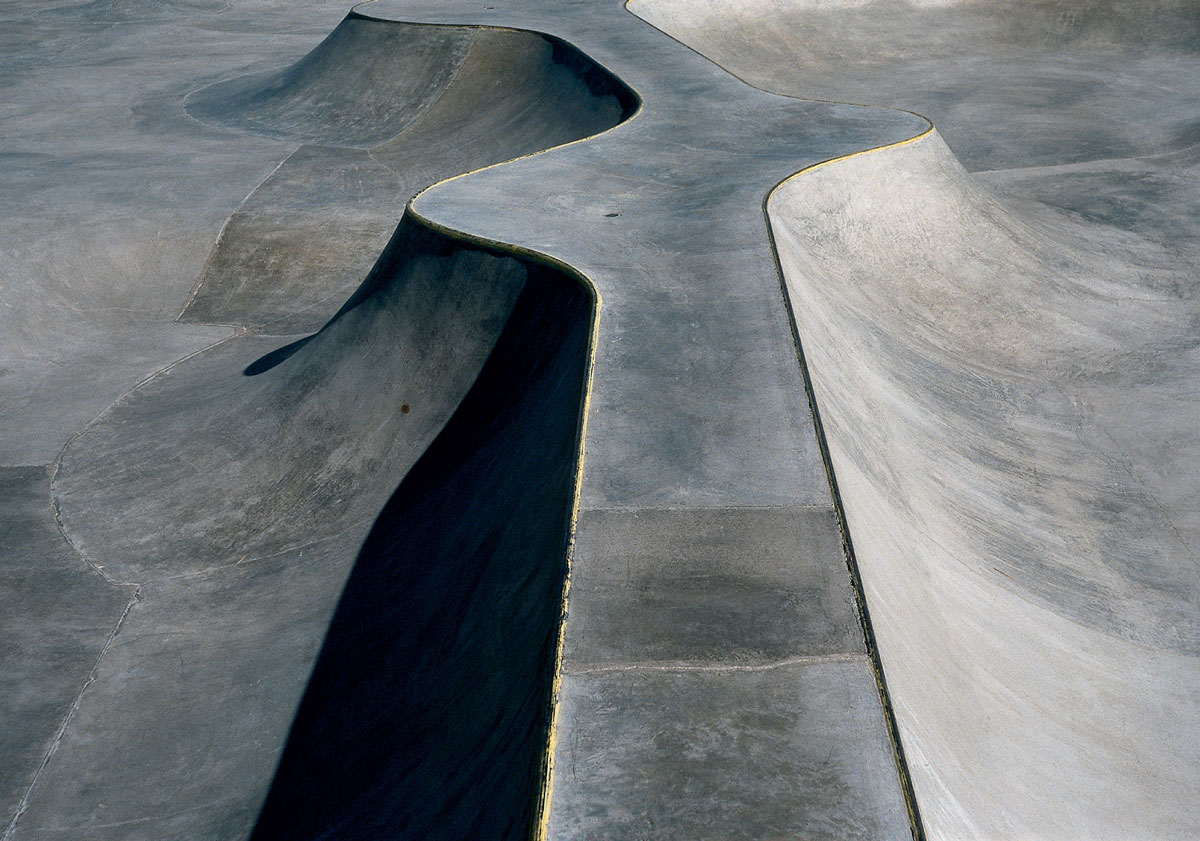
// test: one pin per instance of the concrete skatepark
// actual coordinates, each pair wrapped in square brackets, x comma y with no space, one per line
[562,420]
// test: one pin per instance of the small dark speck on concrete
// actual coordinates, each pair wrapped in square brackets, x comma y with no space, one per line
[611,215]
[404,409]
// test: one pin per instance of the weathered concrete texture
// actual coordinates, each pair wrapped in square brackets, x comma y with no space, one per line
[191,704]
[112,196]
[715,682]
[280,263]
[304,450]
[1007,388]
[236,486]
[443,101]
[791,751]
[711,586]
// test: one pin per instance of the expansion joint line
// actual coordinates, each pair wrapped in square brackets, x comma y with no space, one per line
[693,666]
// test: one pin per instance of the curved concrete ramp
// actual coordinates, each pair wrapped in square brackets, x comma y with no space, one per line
[339,558]
[1008,83]
[1006,418]
[227,500]
[457,368]
[364,83]
[306,578]
[382,109]
[428,710]
[301,451]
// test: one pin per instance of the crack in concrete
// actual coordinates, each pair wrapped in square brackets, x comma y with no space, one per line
[62,729]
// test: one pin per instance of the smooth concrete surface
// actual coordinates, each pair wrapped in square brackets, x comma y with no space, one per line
[803,739]
[1010,418]
[58,619]
[334,561]
[306,472]
[442,101]
[1008,83]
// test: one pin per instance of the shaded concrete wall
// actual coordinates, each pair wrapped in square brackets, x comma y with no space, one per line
[428,710]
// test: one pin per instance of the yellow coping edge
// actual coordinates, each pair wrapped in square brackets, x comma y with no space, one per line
[840,158]
[906,786]
[547,786]
[590,287]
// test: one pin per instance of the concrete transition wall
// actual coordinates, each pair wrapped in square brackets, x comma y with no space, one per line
[334,545]
[993,389]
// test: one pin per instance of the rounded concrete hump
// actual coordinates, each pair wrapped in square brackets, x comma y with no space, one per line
[985,385]
[363,84]
[519,92]
[431,102]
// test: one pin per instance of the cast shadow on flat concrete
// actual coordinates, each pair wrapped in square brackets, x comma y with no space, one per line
[427,713]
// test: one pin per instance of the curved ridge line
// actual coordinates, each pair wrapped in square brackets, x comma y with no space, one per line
[59,734]
[212,252]
[909,795]
[543,806]
[589,286]
[860,597]
[56,465]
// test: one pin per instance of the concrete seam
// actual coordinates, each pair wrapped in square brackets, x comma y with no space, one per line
[782,506]
[62,729]
[541,828]
[56,465]
[692,666]
[1151,158]
[224,227]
